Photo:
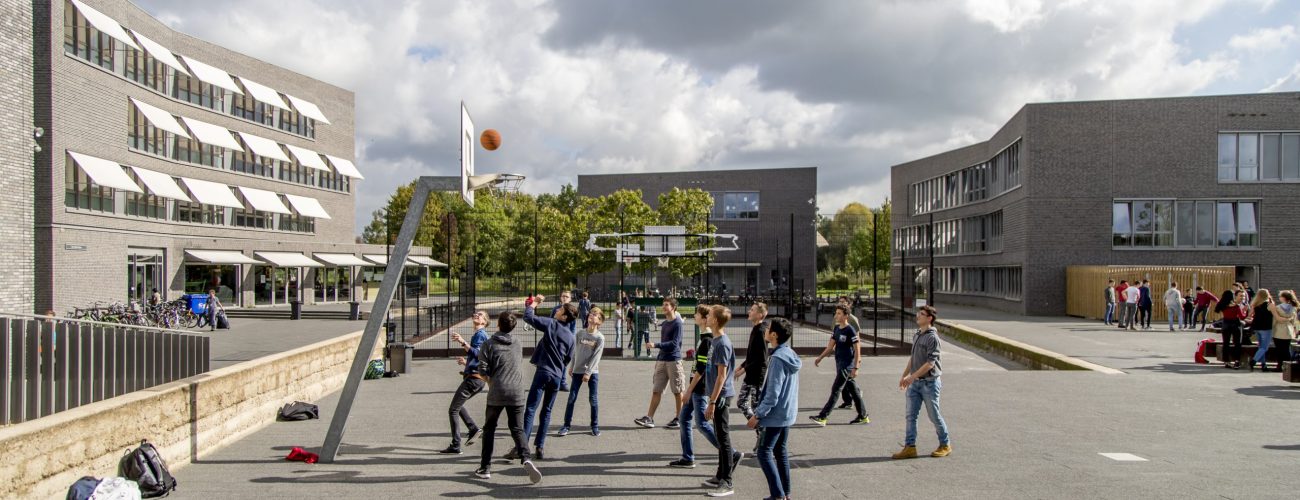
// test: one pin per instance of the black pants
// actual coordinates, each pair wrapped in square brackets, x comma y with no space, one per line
[1187,317]
[514,420]
[1231,340]
[722,431]
[1144,316]
[844,383]
[1200,314]
[468,388]
[1283,349]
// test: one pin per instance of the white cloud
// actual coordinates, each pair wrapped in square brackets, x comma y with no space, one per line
[1005,15]
[1291,80]
[1264,39]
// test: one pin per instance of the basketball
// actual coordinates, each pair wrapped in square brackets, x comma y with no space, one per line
[490,139]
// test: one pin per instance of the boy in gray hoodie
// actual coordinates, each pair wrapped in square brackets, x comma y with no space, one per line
[501,361]
[586,360]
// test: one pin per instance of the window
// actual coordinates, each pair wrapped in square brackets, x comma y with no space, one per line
[1204,223]
[145,205]
[247,162]
[1291,156]
[297,223]
[81,192]
[142,135]
[251,218]
[1248,157]
[969,185]
[1270,157]
[1186,212]
[1254,157]
[244,106]
[295,123]
[296,172]
[145,70]
[1121,225]
[332,180]
[1185,224]
[193,151]
[1000,282]
[193,90]
[84,41]
[199,213]
[1247,225]
[738,205]
[981,234]
[1227,157]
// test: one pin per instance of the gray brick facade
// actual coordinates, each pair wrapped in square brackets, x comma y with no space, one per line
[16,153]
[1079,157]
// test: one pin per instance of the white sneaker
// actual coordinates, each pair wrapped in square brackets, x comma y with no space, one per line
[534,475]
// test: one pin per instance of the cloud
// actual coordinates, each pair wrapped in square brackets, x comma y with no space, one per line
[1291,80]
[1264,39]
[1005,15]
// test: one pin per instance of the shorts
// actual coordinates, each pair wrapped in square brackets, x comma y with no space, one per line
[669,371]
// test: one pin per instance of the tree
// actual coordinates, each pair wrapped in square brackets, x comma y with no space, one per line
[689,208]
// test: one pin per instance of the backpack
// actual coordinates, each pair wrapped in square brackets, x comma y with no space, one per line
[375,369]
[1199,357]
[298,410]
[148,469]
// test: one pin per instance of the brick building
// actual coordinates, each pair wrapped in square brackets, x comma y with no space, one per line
[172,163]
[1174,182]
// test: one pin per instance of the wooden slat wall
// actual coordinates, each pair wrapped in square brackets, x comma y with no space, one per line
[1085,285]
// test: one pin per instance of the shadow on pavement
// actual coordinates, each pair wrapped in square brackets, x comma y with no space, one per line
[1272,391]
[1183,368]
[1282,447]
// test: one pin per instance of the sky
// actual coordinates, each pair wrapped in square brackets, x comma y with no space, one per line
[851,87]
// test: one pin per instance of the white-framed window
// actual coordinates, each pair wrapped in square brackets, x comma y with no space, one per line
[1185,224]
[1259,156]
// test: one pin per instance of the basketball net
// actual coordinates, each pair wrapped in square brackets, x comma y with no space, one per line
[663,261]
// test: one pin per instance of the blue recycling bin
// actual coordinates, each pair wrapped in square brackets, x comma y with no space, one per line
[198,303]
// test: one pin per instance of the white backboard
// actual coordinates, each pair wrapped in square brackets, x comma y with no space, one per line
[467,148]
[665,240]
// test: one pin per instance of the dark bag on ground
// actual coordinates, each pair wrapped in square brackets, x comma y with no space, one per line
[148,469]
[375,369]
[223,322]
[299,410]
[83,488]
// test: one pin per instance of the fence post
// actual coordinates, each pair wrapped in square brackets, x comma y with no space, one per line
[6,371]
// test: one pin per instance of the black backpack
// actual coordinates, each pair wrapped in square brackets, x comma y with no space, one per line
[148,469]
[299,410]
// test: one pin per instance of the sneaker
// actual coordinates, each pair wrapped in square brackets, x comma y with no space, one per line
[818,420]
[537,454]
[860,420]
[534,475]
[906,452]
[646,422]
[710,482]
[942,451]
[682,464]
[672,424]
[846,405]
[450,450]
[473,433]
[735,458]
[564,431]
[723,490]
[595,431]
[483,473]
[513,455]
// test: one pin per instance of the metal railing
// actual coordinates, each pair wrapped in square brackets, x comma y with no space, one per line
[55,364]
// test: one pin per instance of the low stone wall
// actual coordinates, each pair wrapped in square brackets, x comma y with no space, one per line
[184,419]
[1031,356]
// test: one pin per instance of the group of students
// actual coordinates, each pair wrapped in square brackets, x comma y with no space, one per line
[767,397]
[1273,322]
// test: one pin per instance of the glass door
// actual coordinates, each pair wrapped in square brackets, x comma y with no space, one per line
[295,281]
[280,286]
[263,293]
[144,271]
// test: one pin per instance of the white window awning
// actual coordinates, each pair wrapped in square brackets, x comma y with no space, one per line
[340,259]
[212,193]
[160,184]
[307,207]
[220,257]
[264,147]
[212,76]
[306,108]
[264,201]
[308,158]
[160,118]
[288,259]
[208,133]
[264,94]
[382,260]
[425,261]
[105,24]
[105,172]
[345,167]
[160,53]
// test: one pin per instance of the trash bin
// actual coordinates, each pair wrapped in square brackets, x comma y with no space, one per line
[295,309]
[399,356]
[354,311]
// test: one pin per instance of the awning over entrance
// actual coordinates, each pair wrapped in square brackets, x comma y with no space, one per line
[382,260]
[340,259]
[288,259]
[425,261]
[220,257]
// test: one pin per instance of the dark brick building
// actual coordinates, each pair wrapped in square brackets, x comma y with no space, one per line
[760,206]
[1188,181]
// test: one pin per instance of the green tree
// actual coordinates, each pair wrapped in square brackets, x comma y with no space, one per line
[689,208]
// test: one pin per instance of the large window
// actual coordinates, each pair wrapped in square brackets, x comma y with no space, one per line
[251,218]
[1259,157]
[199,213]
[81,192]
[191,89]
[1184,224]
[295,123]
[143,136]
[296,172]
[146,205]
[332,180]
[1000,282]
[969,185]
[734,205]
[297,223]
[247,162]
[84,41]
[244,106]
[981,234]
[192,151]
[145,70]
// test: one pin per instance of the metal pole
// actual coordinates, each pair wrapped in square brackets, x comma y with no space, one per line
[537,207]
[451,222]
[790,285]
[875,286]
[405,237]
[929,230]
[902,273]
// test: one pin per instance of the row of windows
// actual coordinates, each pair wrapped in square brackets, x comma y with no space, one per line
[145,137]
[968,185]
[1251,157]
[1185,224]
[81,39]
[1000,282]
[82,193]
[734,205]
[981,234]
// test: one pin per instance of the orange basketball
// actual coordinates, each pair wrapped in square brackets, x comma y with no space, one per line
[490,139]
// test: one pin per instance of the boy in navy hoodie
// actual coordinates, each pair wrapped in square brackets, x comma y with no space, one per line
[551,356]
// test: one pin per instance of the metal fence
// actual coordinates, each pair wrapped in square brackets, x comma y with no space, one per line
[55,364]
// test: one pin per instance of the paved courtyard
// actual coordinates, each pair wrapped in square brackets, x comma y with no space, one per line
[1200,431]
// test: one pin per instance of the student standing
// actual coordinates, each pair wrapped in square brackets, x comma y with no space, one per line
[720,389]
[848,358]
[921,381]
[551,355]
[1233,309]
[668,367]
[777,410]
[1132,296]
[470,385]
[1121,292]
[846,396]
[753,369]
[1110,303]
[1284,326]
[1261,323]
[501,362]
[586,360]
[1174,306]
[1144,305]
[1189,308]
[584,308]
[1204,299]
[693,407]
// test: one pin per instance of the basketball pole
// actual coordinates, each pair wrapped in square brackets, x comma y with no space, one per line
[392,275]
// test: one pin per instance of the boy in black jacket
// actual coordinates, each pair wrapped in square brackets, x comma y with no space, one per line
[501,361]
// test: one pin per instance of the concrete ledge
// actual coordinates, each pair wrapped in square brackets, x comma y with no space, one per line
[184,419]
[1020,352]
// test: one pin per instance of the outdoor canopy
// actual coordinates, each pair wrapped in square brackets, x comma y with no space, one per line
[160,184]
[263,93]
[308,207]
[160,53]
[105,24]
[264,147]
[306,108]
[221,257]
[212,76]
[212,193]
[160,118]
[340,259]
[105,173]
[288,259]
[214,135]
[425,261]
[345,167]
[308,158]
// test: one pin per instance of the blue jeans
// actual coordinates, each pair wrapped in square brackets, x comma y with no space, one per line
[692,412]
[926,391]
[593,387]
[542,392]
[774,459]
[1110,313]
[1265,341]
[1175,318]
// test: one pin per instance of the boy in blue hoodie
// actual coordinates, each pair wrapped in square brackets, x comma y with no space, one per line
[777,409]
[551,356]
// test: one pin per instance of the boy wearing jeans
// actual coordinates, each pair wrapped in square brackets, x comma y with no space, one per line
[590,344]
[777,410]
[921,381]
[693,408]
[722,361]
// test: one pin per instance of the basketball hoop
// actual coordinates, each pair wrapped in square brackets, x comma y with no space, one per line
[663,261]
[629,260]
[501,183]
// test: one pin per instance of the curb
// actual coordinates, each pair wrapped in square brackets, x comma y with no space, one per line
[1032,356]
